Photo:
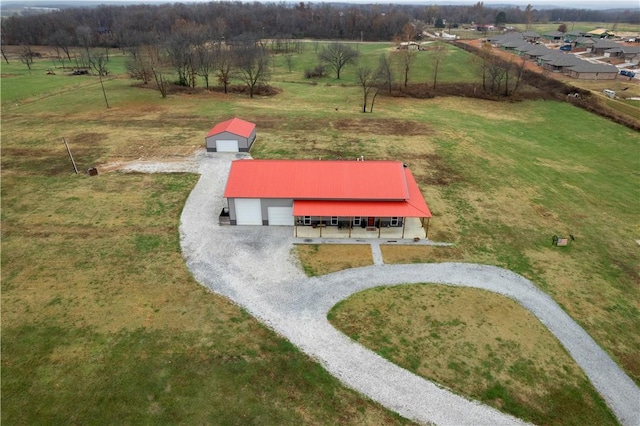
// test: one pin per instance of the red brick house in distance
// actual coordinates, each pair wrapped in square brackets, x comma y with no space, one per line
[352,199]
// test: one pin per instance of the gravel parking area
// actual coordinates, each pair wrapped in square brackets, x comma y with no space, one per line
[255,268]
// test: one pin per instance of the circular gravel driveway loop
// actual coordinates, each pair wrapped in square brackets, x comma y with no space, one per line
[255,268]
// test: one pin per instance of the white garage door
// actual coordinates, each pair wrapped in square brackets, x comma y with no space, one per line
[227,146]
[248,211]
[280,216]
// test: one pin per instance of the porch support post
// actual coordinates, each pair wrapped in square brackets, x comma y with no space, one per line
[320,227]
[350,223]
[426,231]
[379,226]
[404,222]
[295,226]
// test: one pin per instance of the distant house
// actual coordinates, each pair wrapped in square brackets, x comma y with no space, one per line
[600,33]
[514,44]
[558,61]
[554,35]
[345,195]
[572,35]
[536,53]
[584,42]
[630,54]
[600,46]
[233,135]
[589,71]
[531,36]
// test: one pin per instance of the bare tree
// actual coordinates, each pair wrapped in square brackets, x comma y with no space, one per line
[289,61]
[485,55]
[206,61]
[161,83]
[223,66]
[385,72]
[61,39]
[85,37]
[220,28]
[156,62]
[370,86]
[528,13]
[146,63]
[182,47]
[26,56]
[252,66]
[405,59]
[139,64]
[363,75]
[409,32]
[99,63]
[3,42]
[439,51]
[337,56]
[519,73]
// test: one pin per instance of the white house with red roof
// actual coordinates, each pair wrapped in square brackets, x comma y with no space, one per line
[235,135]
[349,196]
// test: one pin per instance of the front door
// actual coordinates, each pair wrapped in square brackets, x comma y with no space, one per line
[370,221]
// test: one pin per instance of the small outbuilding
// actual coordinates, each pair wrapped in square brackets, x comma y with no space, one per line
[233,135]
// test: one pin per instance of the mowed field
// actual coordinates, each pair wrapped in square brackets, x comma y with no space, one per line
[102,321]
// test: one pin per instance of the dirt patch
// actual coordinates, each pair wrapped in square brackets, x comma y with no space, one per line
[50,161]
[438,171]
[384,127]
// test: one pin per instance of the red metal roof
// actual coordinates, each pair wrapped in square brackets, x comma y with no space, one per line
[236,126]
[413,206]
[317,180]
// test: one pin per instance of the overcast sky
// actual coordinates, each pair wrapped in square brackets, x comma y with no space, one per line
[578,4]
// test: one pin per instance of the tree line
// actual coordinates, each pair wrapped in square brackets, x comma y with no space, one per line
[116,26]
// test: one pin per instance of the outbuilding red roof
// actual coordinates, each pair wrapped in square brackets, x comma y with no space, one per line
[331,188]
[236,126]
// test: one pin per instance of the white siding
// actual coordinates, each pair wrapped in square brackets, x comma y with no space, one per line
[227,146]
[248,211]
[280,216]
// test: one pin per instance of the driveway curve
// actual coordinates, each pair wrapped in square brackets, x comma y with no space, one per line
[255,268]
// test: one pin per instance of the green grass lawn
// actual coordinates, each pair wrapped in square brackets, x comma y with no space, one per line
[102,323]
[94,286]
[496,352]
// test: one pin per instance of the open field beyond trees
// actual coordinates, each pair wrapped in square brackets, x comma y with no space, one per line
[102,321]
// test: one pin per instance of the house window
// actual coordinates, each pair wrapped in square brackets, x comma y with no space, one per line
[334,220]
[394,221]
[307,220]
[356,220]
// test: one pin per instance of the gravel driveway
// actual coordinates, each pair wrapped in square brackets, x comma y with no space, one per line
[255,268]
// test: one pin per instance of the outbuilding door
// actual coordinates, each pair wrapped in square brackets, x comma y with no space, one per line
[280,216]
[227,146]
[248,211]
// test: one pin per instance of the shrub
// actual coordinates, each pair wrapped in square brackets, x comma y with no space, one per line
[318,72]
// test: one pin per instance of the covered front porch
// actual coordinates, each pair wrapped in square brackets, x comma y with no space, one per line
[411,228]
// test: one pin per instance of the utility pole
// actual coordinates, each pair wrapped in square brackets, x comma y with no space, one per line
[70,156]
